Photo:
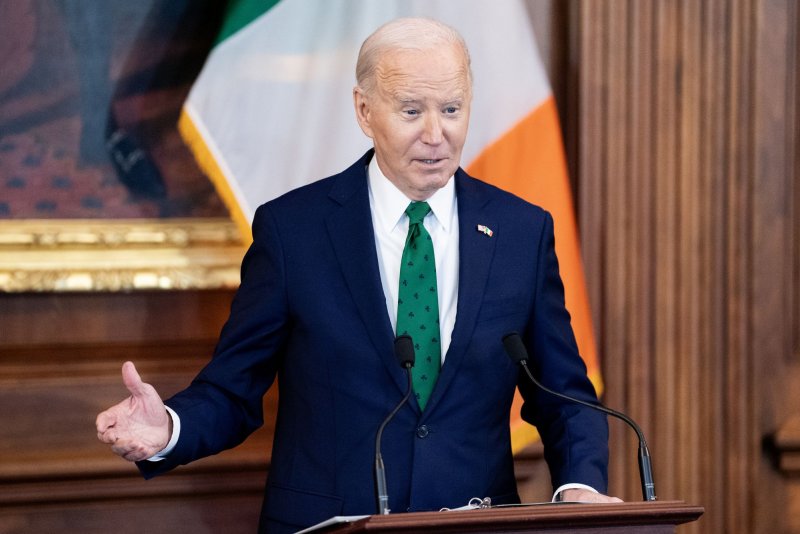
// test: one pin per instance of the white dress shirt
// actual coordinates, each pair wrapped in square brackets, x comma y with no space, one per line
[390,222]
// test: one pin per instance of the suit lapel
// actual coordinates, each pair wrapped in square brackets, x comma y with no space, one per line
[476,250]
[350,230]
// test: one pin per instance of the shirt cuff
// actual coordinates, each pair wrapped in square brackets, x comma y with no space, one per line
[575,485]
[173,440]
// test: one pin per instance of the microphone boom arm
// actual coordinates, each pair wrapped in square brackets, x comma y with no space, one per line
[380,471]
[516,350]
[404,352]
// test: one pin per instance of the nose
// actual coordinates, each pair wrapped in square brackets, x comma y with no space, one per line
[432,133]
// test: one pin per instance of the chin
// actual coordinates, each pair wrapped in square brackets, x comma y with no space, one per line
[431,186]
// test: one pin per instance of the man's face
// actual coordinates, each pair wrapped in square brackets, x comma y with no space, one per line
[417,116]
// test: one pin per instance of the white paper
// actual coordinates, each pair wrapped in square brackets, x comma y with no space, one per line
[335,520]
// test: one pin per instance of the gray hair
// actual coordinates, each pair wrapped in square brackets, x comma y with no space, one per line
[406,34]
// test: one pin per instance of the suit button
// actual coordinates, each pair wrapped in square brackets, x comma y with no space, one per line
[423,431]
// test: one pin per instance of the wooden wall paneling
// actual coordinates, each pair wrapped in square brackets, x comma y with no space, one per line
[40,318]
[738,414]
[687,165]
[713,167]
[787,448]
[689,420]
[590,154]
[615,217]
[772,171]
[793,152]
[639,159]
[60,365]
[225,512]
[592,162]
[615,212]
[666,235]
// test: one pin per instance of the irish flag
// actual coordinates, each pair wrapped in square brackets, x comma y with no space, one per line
[272,110]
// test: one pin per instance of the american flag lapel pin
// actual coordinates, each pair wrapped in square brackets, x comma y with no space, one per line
[485,230]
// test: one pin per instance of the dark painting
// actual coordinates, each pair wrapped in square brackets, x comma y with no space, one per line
[90,94]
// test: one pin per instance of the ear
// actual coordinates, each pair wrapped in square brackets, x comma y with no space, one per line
[363,110]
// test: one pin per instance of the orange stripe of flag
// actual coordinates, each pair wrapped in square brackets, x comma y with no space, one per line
[528,161]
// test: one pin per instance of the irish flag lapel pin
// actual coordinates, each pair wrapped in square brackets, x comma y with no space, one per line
[485,230]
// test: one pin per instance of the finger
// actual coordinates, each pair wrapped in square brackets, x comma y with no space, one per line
[130,451]
[132,380]
[104,421]
[108,437]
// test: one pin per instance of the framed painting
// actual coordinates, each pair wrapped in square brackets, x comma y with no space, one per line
[97,189]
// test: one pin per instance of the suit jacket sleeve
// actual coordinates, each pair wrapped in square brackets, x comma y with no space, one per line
[575,438]
[223,404]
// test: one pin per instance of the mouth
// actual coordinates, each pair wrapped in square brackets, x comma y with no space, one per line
[430,161]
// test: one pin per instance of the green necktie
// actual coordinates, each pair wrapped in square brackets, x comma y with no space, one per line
[418,302]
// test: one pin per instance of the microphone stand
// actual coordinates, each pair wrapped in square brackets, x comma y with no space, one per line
[404,351]
[516,350]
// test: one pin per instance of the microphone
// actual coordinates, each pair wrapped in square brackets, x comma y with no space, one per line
[404,352]
[515,349]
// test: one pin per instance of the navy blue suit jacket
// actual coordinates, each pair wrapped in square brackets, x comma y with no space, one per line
[311,310]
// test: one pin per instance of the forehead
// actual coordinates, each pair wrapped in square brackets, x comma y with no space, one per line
[408,72]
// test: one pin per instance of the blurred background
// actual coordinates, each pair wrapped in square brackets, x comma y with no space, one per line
[681,126]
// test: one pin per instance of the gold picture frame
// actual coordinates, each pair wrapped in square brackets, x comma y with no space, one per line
[119,255]
[90,102]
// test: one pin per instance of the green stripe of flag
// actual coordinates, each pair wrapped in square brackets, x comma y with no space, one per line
[240,13]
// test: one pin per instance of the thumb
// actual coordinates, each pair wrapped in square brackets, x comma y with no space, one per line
[132,380]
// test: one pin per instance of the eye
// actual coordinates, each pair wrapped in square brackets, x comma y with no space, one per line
[449,110]
[411,112]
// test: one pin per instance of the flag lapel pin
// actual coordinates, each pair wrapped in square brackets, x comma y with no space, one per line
[485,230]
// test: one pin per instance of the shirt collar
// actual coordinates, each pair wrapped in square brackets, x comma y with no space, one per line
[389,203]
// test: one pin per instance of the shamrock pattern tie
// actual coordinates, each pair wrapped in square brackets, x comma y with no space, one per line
[418,302]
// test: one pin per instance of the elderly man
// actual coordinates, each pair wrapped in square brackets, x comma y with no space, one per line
[401,242]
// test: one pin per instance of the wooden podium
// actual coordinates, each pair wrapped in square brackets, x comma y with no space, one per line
[654,517]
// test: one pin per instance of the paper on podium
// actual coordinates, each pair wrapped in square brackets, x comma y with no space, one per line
[335,520]
[474,504]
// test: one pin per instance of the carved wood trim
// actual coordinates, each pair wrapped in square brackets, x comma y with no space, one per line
[119,255]
[786,442]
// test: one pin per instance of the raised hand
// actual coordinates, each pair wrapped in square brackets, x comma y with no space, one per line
[138,427]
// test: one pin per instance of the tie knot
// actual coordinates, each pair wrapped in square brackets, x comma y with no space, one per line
[417,211]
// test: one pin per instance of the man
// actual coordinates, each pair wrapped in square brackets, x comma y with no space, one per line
[341,266]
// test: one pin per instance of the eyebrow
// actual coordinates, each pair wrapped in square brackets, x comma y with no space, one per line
[414,100]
